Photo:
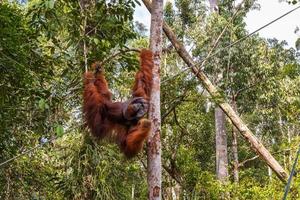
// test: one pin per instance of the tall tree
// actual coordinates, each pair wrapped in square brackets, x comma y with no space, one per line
[221,135]
[154,144]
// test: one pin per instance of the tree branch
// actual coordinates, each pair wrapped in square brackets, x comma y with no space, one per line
[177,101]
[241,164]
[173,173]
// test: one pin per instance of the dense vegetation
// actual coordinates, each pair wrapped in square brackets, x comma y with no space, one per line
[44,47]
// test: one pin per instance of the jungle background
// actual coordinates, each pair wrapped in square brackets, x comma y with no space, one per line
[44,47]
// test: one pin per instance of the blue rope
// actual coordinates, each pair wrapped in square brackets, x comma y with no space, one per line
[287,187]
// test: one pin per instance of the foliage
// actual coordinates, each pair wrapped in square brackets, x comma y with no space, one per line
[89,174]
[42,59]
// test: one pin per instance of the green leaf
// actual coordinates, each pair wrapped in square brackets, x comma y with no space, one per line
[59,130]
[47,106]
[66,9]
[51,4]
[96,41]
[42,104]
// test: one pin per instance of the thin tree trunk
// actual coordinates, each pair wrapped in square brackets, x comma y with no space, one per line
[221,135]
[289,152]
[221,146]
[153,143]
[132,192]
[84,5]
[285,160]
[256,145]
[235,148]
[270,173]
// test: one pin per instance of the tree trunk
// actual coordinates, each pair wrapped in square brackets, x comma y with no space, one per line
[270,173]
[153,143]
[132,192]
[221,146]
[289,152]
[256,145]
[221,135]
[235,149]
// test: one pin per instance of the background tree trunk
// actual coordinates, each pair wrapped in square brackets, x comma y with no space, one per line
[154,144]
[221,135]
[221,146]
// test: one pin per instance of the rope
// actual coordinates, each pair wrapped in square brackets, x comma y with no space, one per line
[287,187]
[42,143]
[236,42]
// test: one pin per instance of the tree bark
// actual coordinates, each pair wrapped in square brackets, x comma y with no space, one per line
[153,143]
[256,145]
[221,146]
[235,148]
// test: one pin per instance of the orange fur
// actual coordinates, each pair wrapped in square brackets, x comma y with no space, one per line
[104,117]
[143,78]
[135,138]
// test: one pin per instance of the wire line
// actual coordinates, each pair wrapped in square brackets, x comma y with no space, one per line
[257,30]
[236,42]
[27,151]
